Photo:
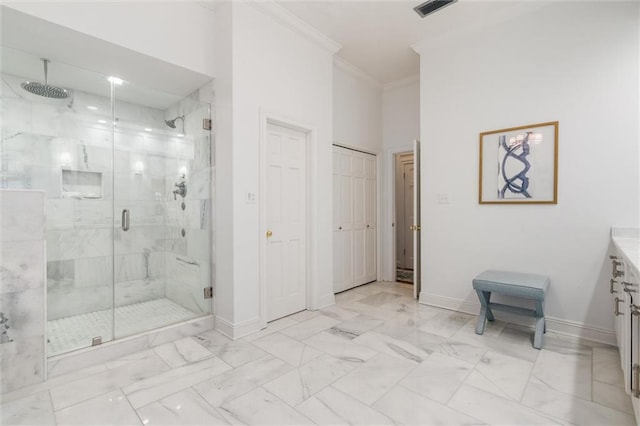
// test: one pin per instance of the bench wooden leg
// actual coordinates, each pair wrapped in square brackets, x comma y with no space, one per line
[541,326]
[485,310]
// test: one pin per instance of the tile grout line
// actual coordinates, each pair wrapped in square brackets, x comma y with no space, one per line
[55,419]
[131,406]
[524,390]
[447,404]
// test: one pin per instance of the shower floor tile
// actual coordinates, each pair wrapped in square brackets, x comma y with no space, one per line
[76,332]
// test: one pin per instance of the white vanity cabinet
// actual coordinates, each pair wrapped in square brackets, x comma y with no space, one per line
[631,277]
[625,290]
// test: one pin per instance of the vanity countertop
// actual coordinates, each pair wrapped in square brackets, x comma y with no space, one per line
[627,242]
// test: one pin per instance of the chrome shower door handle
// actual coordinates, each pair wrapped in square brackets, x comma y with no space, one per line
[125,219]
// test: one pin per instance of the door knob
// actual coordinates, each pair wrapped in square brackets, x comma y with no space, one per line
[269,234]
[412,228]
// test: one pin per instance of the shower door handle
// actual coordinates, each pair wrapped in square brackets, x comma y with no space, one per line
[125,219]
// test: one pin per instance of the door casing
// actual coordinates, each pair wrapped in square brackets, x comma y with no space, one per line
[403,236]
[388,265]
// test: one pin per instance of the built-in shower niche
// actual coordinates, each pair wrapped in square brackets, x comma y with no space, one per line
[81,184]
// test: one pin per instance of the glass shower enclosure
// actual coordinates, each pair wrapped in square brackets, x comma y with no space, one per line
[127,175]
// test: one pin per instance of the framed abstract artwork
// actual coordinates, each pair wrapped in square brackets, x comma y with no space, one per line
[519,165]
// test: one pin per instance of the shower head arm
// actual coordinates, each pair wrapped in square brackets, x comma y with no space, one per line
[46,70]
[172,123]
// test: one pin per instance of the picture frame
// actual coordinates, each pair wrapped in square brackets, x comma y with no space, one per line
[519,165]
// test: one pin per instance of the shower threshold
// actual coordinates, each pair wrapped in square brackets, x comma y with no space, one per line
[76,332]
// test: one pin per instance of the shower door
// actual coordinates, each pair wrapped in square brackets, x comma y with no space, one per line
[124,253]
[162,211]
[63,146]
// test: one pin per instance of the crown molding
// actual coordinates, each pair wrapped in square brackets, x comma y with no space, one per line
[408,81]
[349,68]
[295,23]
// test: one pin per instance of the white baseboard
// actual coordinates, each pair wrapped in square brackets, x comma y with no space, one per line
[326,301]
[236,331]
[556,325]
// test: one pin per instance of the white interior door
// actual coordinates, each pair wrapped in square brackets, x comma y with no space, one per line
[370,208]
[359,222]
[342,220]
[286,259]
[416,216]
[354,218]
[337,228]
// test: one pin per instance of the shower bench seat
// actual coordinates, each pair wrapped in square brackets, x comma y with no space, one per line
[527,286]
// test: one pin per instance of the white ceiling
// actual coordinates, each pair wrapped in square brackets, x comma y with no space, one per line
[377,35]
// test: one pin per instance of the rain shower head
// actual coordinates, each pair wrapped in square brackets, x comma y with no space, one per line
[45,90]
[172,123]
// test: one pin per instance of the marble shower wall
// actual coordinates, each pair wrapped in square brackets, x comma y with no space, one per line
[65,149]
[189,263]
[22,289]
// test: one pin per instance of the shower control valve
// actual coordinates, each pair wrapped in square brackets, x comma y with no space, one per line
[181,191]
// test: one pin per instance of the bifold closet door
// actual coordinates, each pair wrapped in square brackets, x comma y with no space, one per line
[370,207]
[342,220]
[359,219]
[354,218]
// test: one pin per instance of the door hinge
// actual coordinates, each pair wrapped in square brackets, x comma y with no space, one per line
[206,124]
[208,292]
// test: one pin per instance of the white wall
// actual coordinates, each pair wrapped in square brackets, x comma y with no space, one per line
[572,62]
[275,71]
[400,127]
[260,66]
[178,32]
[401,113]
[223,166]
[357,110]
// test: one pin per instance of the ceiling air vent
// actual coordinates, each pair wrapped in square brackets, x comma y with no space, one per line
[431,6]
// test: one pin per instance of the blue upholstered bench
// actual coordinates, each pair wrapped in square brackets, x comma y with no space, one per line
[528,286]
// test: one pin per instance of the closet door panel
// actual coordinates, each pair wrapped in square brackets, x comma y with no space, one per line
[337,260]
[369,202]
[336,189]
[370,255]
[358,202]
[354,218]
[359,261]
[346,260]
[346,203]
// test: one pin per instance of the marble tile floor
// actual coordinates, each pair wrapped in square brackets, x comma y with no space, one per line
[376,358]
[76,332]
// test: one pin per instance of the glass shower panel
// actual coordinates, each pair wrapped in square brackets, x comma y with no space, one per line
[162,210]
[63,147]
